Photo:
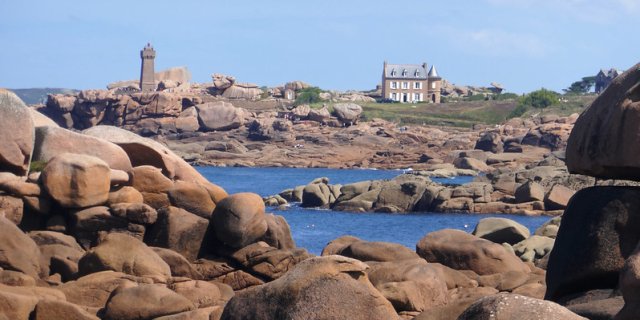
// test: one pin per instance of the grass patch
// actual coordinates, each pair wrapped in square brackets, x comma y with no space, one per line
[37,166]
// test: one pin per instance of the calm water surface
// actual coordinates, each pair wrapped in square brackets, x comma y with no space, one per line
[313,228]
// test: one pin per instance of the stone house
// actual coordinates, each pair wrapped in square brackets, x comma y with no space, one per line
[604,78]
[409,83]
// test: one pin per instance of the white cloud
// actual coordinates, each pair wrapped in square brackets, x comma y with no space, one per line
[496,42]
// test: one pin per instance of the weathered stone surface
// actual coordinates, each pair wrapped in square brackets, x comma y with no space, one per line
[76,180]
[178,264]
[150,179]
[319,115]
[202,293]
[558,197]
[178,230]
[52,309]
[16,306]
[143,151]
[86,224]
[549,228]
[278,233]
[605,139]
[331,287]
[513,306]
[269,262]
[52,141]
[123,253]
[93,290]
[239,219]
[372,250]
[347,112]
[187,121]
[533,248]
[191,197]
[12,208]
[125,194]
[219,116]
[501,230]
[471,164]
[145,302]
[529,191]
[135,212]
[315,195]
[460,250]
[16,279]
[17,130]
[17,251]
[630,287]
[600,229]
[410,285]
[489,141]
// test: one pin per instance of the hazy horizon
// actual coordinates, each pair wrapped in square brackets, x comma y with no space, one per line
[336,45]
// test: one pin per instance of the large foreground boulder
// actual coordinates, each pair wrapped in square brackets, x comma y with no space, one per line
[514,306]
[52,141]
[143,151]
[331,287]
[605,139]
[462,251]
[239,219]
[600,229]
[145,302]
[77,180]
[348,113]
[123,253]
[17,132]
[17,251]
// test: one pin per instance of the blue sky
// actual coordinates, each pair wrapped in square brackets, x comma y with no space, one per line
[523,44]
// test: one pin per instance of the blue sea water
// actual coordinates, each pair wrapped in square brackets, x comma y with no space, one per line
[314,228]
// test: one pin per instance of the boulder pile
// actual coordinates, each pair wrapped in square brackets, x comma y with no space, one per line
[593,268]
[105,224]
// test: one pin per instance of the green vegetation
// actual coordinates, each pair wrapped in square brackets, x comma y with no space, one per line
[581,87]
[308,96]
[538,99]
[37,166]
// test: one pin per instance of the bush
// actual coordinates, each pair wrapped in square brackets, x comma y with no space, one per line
[505,96]
[476,97]
[37,166]
[540,98]
[308,96]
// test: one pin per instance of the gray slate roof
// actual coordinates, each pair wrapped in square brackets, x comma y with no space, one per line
[409,71]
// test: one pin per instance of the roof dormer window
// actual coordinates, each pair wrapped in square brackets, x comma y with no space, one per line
[404,72]
[393,72]
[417,73]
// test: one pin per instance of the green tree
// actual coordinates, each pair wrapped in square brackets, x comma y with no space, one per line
[581,87]
[538,99]
[308,96]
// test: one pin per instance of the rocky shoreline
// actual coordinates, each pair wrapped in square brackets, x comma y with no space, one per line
[105,224]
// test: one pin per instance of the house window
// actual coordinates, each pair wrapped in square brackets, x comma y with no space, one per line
[433,85]
[394,96]
[416,97]
[405,85]
[394,85]
[417,85]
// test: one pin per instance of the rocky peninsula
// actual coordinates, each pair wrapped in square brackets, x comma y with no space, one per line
[106,224]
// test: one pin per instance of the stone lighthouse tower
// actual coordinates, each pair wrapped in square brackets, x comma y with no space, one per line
[147,73]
